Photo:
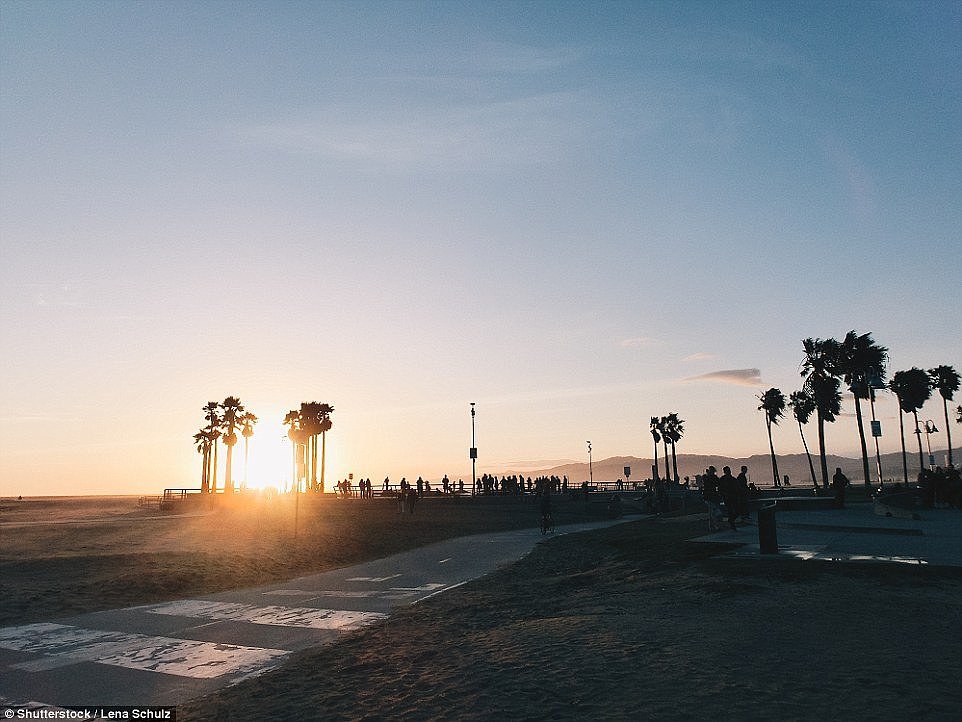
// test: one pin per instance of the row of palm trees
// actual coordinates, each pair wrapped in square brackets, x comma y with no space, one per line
[860,363]
[224,419]
[669,430]
[306,424]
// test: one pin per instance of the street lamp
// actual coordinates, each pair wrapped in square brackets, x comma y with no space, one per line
[929,430]
[876,382]
[591,476]
[473,453]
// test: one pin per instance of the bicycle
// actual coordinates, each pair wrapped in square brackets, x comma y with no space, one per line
[547,523]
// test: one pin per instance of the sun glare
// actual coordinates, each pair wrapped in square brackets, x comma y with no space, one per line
[270,456]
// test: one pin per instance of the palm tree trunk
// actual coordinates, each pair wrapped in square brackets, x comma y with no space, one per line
[905,463]
[771,447]
[656,462]
[323,450]
[823,462]
[674,462]
[811,466]
[861,438]
[204,481]
[228,479]
[314,463]
[667,470]
[214,489]
[948,427]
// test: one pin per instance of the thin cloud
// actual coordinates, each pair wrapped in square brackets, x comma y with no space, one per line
[535,129]
[700,356]
[736,377]
[636,342]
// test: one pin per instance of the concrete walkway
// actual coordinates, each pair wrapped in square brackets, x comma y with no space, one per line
[167,653]
[856,533]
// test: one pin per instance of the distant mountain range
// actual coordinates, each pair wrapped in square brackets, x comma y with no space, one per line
[759,467]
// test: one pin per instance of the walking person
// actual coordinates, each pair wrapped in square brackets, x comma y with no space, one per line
[728,486]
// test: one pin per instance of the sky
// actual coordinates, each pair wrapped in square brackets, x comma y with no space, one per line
[576,215]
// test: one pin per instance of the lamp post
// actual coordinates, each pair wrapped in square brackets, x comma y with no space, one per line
[591,476]
[473,453]
[876,382]
[929,430]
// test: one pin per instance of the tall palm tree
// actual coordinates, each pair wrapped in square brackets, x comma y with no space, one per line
[202,442]
[663,428]
[676,429]
[803,406]
[819,369]
[296,435]
[213,433]
[945,380]
[912,390]
[862,363]
[233,409]
[656,435]
[773,404]
[247,421]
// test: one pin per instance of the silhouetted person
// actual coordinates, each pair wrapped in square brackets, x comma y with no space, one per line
[420,483]
[712,496]
[728,486]
[743,494]
[839,482]
[785,481]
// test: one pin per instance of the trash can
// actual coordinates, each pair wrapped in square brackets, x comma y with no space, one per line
[767,536]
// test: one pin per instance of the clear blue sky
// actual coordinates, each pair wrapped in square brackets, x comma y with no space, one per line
[562,211]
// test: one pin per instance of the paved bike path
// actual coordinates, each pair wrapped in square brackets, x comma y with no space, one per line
[167,653]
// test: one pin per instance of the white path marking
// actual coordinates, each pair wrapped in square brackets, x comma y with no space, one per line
[443,561]
[288,593]
[168,655]
[429,587]
[307,617]
[373,579]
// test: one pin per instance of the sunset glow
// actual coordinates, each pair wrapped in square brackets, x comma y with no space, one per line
[575,215]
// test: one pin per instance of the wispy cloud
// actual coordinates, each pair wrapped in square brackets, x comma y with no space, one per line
[737,377]
[637,342]
[537,128]
[700,356]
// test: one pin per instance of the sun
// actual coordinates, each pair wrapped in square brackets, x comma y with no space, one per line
[269,462]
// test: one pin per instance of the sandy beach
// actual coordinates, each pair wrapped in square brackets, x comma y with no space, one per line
[68,555]
[627,623]
[635,623]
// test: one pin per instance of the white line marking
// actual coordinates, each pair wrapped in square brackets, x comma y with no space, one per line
[429,587]
[443,561]
[307,617]
[439,591]
[373,579]
[168,655]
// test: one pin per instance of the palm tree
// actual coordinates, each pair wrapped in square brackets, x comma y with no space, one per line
[232,411]
[945,380]
[819,370]
[803,406]
[203,442]
[296,435]
[676,429]
[656,435]
[213,433]
[912,390]
[247,421]
[862,364]
[958,414]
[773,404]
[663,428]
